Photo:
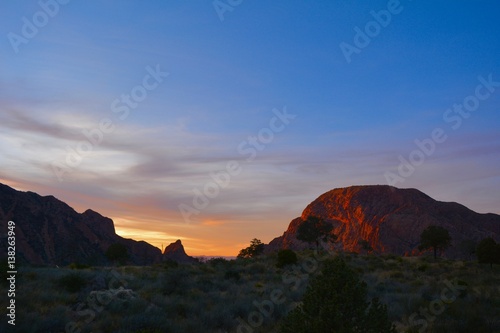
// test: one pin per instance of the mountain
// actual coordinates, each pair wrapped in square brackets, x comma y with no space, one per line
[175,252]
[389,220]
[48,231]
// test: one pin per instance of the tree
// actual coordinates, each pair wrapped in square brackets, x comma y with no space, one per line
[335,301]
[488,252]
[117,253]
[434,237]
[314,230]
[256,248]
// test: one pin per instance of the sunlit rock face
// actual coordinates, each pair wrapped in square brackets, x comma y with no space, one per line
[389,220]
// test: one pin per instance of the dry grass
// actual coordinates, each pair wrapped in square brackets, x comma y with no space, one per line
[216,296]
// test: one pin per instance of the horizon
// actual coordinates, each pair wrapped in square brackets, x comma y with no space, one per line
[217,125]
[163,246]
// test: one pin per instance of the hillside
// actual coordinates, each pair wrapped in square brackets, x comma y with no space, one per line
[48,231]
[390,220]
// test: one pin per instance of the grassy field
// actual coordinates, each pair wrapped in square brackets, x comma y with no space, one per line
[248,295]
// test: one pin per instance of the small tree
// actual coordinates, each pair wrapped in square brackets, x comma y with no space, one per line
[335,301]
[314,230]
[488,252]
[256,248]
[117,253]
[434,237]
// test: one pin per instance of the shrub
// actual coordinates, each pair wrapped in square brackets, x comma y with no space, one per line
[169,263]
[217,261]
[71,282]
[423,267]
[335,301]
[286,257]
[397,275]
[231,274]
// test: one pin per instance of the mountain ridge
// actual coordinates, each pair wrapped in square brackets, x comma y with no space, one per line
[389,220]
[50,232]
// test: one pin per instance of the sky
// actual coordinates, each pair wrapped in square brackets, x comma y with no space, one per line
[216,122]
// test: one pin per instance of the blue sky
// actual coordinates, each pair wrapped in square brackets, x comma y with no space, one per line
[225,77]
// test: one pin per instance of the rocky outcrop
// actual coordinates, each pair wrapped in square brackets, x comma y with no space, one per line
[175,252]
[48,231]
[389,220]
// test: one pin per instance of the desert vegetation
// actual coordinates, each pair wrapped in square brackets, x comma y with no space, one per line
[420,294]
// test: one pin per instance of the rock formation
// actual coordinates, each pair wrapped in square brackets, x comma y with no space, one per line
[389,220]
[175,252]
[48,231]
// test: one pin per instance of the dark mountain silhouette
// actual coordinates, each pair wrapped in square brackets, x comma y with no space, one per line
[48,231]
[175,252]
[389,220]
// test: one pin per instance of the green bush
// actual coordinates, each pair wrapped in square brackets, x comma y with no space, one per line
[286,257]
[423,267]
[71,282]
[217,261]
[231,274]
[397,275]
[169,263]
[335,301]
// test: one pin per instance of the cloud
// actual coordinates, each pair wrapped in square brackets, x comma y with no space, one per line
[140,175]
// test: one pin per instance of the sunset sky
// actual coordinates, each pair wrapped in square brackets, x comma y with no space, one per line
[288,99]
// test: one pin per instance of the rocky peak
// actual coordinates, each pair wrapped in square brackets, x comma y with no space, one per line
[175,251]
[389,220]
[102,225]
[48,231]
